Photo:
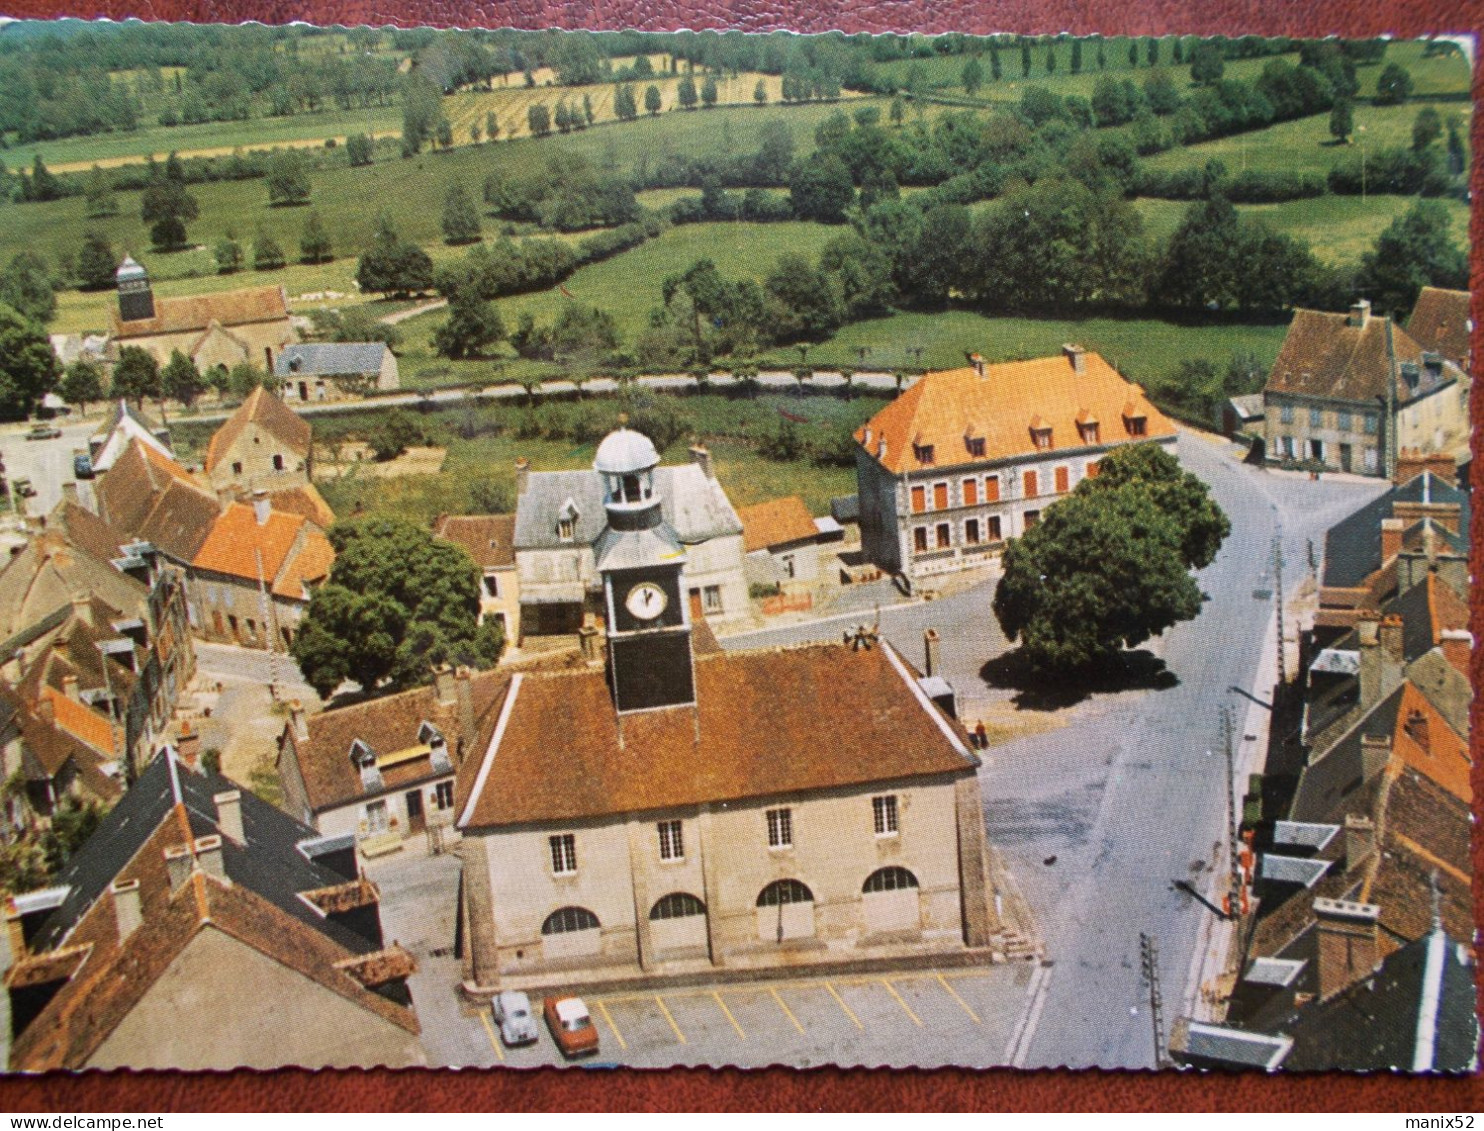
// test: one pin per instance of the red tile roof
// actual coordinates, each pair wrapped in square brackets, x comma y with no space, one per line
[309,566]
[237,540]
[269,413]
[487,538]
[1440,321]
[943,410]
[768,723]
[146,495]
[774,523]
[306,500]
[181,314]
[80,721]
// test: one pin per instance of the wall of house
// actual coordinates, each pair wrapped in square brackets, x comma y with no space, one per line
[880,510]
[717,565]
[354,817]
[1339,424]
[389,379]
[795,563]
[258,343]
[221,1004]
[229,610]
[1438,422]
[248,463]
[727,863]
[505,604]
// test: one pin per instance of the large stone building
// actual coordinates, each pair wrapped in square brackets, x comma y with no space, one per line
[263,444]
[683,809]
[201,928]
[1348,392]
[561,527]
[332,371]
[967,458]
[1442,322]
[489,539]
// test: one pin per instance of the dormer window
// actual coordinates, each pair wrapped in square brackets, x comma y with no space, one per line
[924,454]
[567,521]
[975,444]
[1088,432]
[564,529]
[1040,434]
[1134,419]
[364,759]
[428,734]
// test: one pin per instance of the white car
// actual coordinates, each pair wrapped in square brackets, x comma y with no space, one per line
[512,1010]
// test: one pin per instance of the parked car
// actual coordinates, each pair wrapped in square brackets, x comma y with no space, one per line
[23,488]
[571,1026]
[44,432]
[82,465]
[512,1010]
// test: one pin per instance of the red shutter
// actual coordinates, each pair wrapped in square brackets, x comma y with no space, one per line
[1032,487]
[1061,481]
[971,492]
[940,496]
[992,489]
[919,500]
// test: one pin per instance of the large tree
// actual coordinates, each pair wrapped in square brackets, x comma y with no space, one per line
[460,217]
[314,243]
[1415,251]
[1109,565]
[96,263]
[82,384]
[472,327]
[397,603]
[167,207]
[26,285]
[28,367]
[180,380]
[288,179]
[136,375]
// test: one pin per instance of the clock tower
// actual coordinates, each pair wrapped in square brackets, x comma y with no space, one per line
[641,562]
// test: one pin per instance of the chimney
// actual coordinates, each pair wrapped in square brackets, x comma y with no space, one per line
[69,492]
[188,746]
[209,853]
[229,815]
[127,910]
[298,720]
[261,508]
[701,457]
[1391,539]
[1348,949]
[1375,754]
[592,643]
[866,438]
[443,683]
[1360,313]
[932,643]
[180,863]
[1360,840]
[1077,356]
[1390,637]
[522,475]
[1458,646]
[1417,729]
[463,688]
[69,688]
[977,362]
[15,930]
[82,608]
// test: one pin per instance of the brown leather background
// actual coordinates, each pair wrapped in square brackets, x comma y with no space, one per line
[785,1089]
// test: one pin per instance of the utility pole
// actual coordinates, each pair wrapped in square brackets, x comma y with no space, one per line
[1149,960]
[1233,824]
[265,610]
[1278,592]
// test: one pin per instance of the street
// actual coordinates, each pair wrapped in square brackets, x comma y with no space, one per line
[1098,806]
[46,463]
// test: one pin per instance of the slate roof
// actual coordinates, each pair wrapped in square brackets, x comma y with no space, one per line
[776,523]
[695,507]
[767,723]
[329,359]
[154,499]
[387,724]
[1441,321]
[184,313]
[1324,356]
[845,508]
[1205,1044]
[269,413]
[487,538]
[944,409]
[171,805]
[1352,546]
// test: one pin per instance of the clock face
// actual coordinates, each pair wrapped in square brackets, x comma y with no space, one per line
[646,600]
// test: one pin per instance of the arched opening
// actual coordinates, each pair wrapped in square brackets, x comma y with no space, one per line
[570,932]
[889,898]
[785,910]
[677,922]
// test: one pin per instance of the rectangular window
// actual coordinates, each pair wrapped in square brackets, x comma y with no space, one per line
[1369,421]
[976,447]
[1316,417]
[1062,481]
[919,539]
[884,813]
[940,496]
[924,454]
[491,585]
[1137,425]
[565,530]
[1032,485]
[780,828]
[377,820]
[994,528]
[971,532]
[672,843]
[1031,518]
[992,489]
[1345,423]
[945,536]
[236,468]
[1089,433]
[789,570]
[711,599]
[443,795]
[971,492]
[1370,461]
[919,500]
[563,854]
[1285,413]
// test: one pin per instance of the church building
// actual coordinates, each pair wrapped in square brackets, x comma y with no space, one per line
[676,808]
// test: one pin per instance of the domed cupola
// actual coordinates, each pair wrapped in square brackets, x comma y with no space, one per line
[626,460]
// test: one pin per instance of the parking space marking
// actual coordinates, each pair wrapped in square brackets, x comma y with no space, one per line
[666,1011]
[789,1013]
[490,1032]
[954,995]
[740,1034]
[891,989]
[850,1013]
[608,1017]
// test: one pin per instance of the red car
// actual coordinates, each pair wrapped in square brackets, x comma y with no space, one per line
[571,1026]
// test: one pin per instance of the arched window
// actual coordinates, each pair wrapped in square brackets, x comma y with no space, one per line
[565,920]
[781,892]
[889,879]
[677,905]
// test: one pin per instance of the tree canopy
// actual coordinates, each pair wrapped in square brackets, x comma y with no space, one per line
[398,603]
[1109,565]
[28,367]
[1414,251]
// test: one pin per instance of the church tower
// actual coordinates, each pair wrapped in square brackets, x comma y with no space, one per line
[136,299]
[641,562]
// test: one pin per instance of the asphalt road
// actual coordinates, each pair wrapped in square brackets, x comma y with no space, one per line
[1117,791]
[47,463]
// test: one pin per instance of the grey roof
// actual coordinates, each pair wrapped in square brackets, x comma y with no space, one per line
[623,451]
[635,549]
[327,359]
[1352,547]
[1199,1041]
[1339,771]
[1274,971]
[270,864]
[1249,407]
[846,508]
[1292,869]
[1304,834]
[695,507]
[129,269]
[1336,661]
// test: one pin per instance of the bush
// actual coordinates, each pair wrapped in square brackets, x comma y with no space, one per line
[1259,187]
[394,435]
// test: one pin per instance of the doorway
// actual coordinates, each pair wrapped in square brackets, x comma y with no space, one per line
[415,821]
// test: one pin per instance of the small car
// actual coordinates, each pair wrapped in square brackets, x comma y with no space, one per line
[82,466]
[44,432]
[571,1026]
[22,487]
[512,1012]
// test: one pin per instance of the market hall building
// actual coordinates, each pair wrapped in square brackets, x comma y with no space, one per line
[680,808]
